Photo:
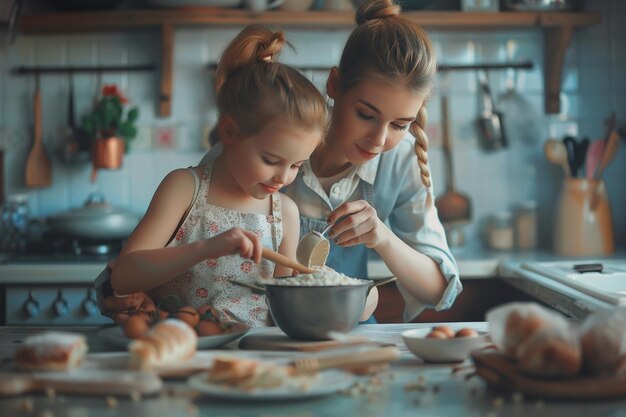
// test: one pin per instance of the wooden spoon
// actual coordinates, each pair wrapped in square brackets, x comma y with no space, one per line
[38,168]
[281,259]
[556,152]
[451,205]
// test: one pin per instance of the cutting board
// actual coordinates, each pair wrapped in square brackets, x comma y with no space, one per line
[81,381]
[501,373]
[201,361]
[273,338]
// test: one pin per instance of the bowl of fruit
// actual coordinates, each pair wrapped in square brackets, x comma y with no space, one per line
[204,320]
[445,343]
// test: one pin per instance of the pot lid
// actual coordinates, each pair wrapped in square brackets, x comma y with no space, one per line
[95,206]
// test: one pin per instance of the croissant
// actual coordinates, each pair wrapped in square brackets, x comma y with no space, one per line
[167,342]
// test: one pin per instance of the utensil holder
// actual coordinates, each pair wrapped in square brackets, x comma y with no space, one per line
[583,227]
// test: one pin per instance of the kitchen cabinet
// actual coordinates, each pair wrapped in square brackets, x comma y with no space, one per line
[478,296]
[557,29]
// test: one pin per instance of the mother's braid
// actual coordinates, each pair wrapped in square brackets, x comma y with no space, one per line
[421,145]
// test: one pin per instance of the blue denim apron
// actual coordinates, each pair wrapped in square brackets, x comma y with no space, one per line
[351,261]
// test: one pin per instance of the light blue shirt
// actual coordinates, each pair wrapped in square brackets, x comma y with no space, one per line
[391,184]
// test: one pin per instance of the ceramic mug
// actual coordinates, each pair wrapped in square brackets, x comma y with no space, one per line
[583,225]
[259,6]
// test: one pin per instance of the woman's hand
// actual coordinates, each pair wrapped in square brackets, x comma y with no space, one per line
[236,241]
[361,225]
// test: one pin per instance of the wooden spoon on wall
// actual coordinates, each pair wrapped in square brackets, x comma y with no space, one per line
[38,168]
[451,205]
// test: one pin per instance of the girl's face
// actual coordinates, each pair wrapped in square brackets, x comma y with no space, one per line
[370,118]
[264,162]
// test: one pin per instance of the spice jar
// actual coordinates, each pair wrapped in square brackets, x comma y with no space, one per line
[500,231]
[526,226]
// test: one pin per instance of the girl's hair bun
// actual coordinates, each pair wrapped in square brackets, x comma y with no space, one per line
[266,49]
[376,9]
[254,44]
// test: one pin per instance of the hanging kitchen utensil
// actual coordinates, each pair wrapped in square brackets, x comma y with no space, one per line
[38,168]
[452,205]
[490,122]
[71,151]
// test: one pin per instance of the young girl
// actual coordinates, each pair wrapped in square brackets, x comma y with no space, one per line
[367,169]
[206,226]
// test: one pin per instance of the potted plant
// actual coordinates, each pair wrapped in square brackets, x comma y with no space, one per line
[110,127]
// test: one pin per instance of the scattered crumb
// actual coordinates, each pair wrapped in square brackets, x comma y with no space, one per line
[111,401]
[192,410]
[51,393]
[26,406]
[135,396]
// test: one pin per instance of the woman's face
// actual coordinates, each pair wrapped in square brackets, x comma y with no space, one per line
[370,118]
[264,162]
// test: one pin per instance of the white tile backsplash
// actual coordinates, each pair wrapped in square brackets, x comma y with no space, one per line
[594,84]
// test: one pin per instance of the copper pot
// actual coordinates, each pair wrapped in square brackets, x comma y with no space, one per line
[108,153]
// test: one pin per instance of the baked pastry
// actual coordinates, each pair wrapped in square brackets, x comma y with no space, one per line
[51,351]
[249,373]
[603,343]
[551,353]
[166,343]
[519,327]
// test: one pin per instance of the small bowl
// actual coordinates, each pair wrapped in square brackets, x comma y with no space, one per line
[310,312]
[455,349]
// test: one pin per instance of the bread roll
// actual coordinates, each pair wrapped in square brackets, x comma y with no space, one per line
[603,343]
[51,351]
[550,353]
[166,343]
[520,326]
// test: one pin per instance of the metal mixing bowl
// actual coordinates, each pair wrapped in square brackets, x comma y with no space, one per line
[310,312]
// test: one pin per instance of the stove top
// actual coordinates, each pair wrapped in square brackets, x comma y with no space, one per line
[54,248]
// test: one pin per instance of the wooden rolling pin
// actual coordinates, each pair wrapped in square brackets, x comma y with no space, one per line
[372,357]
[286,261]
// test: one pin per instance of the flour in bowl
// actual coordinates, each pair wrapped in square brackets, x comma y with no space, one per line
[323,277]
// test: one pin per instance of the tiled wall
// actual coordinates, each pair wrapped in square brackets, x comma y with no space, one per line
[594,85]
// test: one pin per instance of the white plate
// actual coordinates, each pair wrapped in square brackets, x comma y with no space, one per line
[116,336]
[327,382]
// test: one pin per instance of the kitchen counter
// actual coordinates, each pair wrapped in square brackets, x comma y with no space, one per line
[445,393]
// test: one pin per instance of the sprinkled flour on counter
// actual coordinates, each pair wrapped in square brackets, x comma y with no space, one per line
[323,277]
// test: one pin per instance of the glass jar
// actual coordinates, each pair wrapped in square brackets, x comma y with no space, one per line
[500,231]
[526,226]
[15,221]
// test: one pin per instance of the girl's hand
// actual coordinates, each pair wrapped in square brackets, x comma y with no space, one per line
[236,241]
[361,225]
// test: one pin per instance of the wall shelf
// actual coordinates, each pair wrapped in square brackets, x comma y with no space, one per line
[557,29]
